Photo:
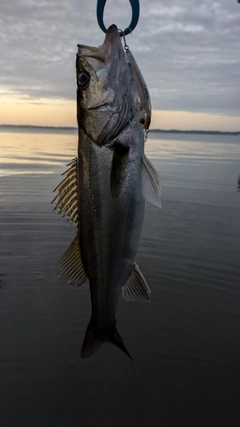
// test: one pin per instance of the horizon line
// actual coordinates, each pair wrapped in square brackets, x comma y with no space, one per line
[150,130]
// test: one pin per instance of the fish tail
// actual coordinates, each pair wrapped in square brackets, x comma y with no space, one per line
[96,338]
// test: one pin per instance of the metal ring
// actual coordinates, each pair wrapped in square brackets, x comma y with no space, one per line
[135,16]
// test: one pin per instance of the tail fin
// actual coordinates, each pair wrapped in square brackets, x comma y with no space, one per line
[95,339]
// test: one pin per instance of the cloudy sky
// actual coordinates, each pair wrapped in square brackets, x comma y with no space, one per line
[188,51]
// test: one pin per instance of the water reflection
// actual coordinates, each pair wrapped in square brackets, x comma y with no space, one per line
[185,343]
[32,152]
[28,153]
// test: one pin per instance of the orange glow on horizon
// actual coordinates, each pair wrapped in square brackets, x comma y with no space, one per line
[39,113]
[184,120]
[45,112]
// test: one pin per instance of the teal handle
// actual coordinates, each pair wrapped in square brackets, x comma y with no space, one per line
[135,16]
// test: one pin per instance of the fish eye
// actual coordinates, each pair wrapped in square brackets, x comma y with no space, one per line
[83,79]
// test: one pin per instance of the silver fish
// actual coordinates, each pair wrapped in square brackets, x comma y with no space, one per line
[140,91]
[104,189]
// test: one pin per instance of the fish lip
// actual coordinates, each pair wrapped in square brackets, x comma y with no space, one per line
[112,34]
[112,38]
[110,53]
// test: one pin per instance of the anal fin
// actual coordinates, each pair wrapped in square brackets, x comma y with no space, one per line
[70,267]
[136,287]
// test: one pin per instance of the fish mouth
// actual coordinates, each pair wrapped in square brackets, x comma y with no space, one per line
[113,47]
[103,53]
[112,36]
[108,55]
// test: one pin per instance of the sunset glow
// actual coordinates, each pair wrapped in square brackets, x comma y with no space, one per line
[59,112]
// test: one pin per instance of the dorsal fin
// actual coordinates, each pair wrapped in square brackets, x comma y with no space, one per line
[136,287]
[68,194]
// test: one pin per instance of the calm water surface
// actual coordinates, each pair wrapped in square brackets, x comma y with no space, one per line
[185,343]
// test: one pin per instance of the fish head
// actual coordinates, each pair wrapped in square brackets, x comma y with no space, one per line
[104,99]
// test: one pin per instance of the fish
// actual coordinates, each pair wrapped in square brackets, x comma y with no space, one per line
[140,91]
[105,187]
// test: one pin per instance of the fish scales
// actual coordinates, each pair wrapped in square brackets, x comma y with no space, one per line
[109,228]
[112,177]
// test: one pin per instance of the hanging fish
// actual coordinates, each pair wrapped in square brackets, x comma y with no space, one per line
[104,189]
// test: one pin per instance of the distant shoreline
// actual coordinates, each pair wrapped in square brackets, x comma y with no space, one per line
[29,127]
[68,128]
[195,132]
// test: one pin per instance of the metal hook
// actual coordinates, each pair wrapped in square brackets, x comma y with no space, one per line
[135,16]
[126,47]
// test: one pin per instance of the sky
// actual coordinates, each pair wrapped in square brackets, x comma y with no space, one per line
[187,50]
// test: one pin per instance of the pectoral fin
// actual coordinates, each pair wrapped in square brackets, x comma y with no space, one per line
[118,159]
[136,288]
[70,268]
[150,182]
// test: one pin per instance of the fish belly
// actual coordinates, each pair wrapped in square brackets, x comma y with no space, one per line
[109,228]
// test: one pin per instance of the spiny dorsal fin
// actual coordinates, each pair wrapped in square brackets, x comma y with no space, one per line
[136,287]
[68,194]
[70,268]
[150,182]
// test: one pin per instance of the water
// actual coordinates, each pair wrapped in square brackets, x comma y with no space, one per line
[185,343]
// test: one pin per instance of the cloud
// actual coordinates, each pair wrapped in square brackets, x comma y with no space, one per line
[188,52]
